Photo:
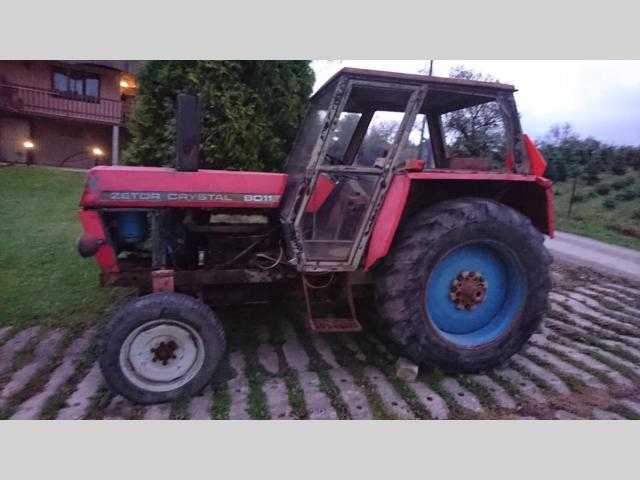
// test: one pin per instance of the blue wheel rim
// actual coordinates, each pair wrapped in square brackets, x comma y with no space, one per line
[503,297]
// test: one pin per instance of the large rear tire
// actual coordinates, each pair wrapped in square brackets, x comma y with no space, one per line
[161,346]
[465,284]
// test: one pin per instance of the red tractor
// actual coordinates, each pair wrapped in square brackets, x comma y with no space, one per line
[421,190]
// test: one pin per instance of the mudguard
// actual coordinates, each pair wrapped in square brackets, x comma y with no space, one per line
[539,208]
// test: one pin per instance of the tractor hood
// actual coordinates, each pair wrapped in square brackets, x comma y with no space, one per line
[165,187]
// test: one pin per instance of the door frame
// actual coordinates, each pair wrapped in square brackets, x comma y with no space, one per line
[316,167]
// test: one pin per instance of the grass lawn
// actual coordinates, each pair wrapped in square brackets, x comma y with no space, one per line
[42,278]
[591,218]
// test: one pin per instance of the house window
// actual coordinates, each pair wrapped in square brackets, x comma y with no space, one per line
[76,85]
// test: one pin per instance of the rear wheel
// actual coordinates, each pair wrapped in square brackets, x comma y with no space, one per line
[161,346]
[465,284]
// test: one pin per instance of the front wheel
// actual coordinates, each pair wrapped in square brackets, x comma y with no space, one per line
[465,284]
[161,346]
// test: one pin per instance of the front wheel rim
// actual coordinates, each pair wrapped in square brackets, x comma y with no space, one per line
[162,355]
[475,292]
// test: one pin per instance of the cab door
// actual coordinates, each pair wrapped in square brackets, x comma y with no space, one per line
[351,173]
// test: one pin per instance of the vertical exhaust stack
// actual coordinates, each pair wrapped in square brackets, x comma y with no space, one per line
[188,123]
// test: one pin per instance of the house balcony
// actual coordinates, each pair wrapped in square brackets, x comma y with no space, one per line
[53,104]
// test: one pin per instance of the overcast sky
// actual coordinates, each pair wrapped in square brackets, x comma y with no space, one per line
[598,98]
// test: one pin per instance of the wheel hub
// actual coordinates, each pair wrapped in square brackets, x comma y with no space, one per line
[468,290]
[164,352]
[162,355]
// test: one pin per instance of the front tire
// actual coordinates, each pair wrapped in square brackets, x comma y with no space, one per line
[161,346]
[465,285]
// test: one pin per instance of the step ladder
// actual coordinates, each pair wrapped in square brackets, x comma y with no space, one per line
[329,322]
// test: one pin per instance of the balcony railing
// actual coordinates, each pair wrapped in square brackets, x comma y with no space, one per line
[49,103]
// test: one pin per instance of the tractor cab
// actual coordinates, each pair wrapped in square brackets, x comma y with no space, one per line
[364,127]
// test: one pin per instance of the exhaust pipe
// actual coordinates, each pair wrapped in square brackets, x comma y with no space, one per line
[188,124]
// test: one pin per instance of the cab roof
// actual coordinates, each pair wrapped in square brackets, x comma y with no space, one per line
[446,95]
[414,79]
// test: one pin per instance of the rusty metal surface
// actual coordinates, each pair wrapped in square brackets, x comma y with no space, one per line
[162,281]
[330,323]
[468,290]
[193,278]
[334,325]
[164,352]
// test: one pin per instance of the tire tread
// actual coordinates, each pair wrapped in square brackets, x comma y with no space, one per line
[395,278]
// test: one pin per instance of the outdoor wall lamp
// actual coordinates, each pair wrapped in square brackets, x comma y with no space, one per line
[29,146]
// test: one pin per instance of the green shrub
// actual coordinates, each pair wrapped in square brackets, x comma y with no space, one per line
[592,179]
[623,183]
[557,193]
[636,214]
[561,172]
[251,111]
[625,195]
[603,189]
[618,169]
[609,204]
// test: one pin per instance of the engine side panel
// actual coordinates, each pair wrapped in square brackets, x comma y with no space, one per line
[529,194]
[148,187]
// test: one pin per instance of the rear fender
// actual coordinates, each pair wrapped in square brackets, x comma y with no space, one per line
[409,192]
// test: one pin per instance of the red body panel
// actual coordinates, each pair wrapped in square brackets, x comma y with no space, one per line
[324,187]
[166,187]
[162,281]
[93,227]
[551,219]
[538,163]
[384,229]
[394,203]
[415,165]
